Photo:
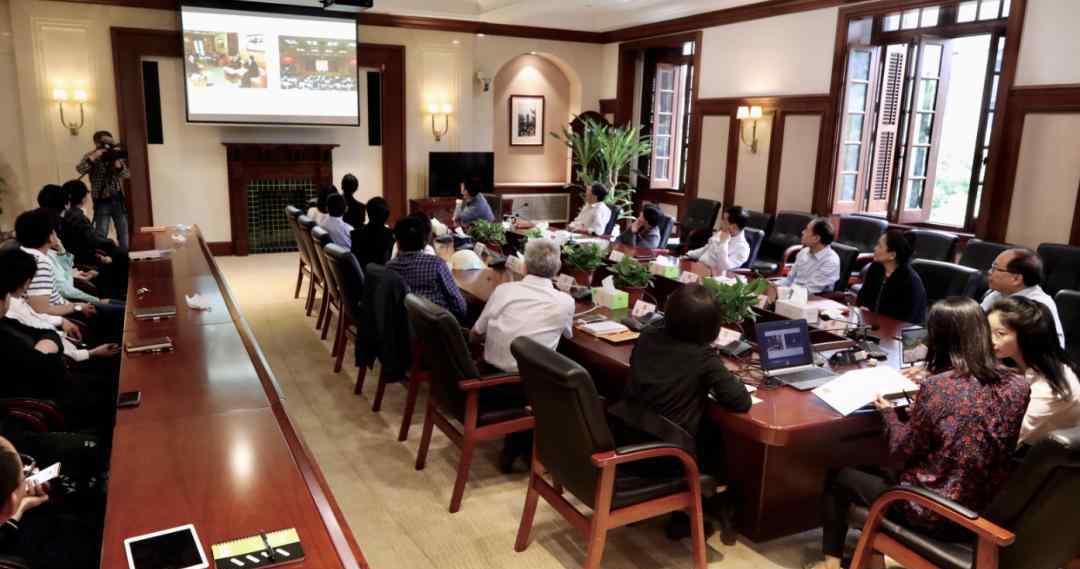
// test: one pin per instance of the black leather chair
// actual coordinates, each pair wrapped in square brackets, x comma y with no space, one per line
[665,225]
[1062,266]
[848,255]
[760,220]
[943,280]
[1031,524]
[291,215]
[575,447]
[1068,305]
[786,232]
[754,237]
[318,277]
[701,213]
[615,211]
[861,232]
[332,299]
[934,245]
[349,277]
[979,255]
[488,407]
[495,203]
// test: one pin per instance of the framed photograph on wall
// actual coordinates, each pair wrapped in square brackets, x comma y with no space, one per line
[526,120]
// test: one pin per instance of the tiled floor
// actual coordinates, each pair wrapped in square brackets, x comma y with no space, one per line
[399,515]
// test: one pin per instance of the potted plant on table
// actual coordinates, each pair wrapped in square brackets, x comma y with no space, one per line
[492,235]
[736,300]
[631,276]
[581,261]
[605,154]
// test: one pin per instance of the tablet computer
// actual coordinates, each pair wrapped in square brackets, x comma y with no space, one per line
[913,345]
[174,548]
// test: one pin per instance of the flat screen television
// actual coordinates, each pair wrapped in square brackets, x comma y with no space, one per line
[446,171]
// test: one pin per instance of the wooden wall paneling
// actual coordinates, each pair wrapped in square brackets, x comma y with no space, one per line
[390,60]
[1075,238]
[732,170]
[477,27]
[776,151]
[993,219]
[608,106]
[129,46]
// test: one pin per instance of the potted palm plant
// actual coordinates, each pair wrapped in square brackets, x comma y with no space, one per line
[631,276]
[492,235]
[736,300]
[581,261]
[606,155]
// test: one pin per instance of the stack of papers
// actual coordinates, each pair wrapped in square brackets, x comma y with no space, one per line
[148,255]
[604,327]
[858,388]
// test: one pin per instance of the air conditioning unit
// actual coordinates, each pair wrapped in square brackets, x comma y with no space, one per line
[552,208]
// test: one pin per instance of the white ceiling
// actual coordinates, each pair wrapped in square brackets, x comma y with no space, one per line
[587,15]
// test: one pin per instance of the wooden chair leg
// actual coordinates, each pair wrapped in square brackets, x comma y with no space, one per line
[468,446]
[341,340]
[697,530]
[329,318]
[425,439]
[380,391]
[323,309]
[299,279]
[529,513]
[310,303]
[598,526]
[361,374]
[413,390]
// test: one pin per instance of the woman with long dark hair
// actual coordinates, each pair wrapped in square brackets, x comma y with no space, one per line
[958,436]
[318,212]
[891,286]
[1025,335]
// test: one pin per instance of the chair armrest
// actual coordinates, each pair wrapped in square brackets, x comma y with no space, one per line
[789,255]
[864,257]
[948,509]
[489,381]
[643,451]
[21,406]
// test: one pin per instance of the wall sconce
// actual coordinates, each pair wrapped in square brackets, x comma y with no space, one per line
[436,110]
[749,113]
[61,96]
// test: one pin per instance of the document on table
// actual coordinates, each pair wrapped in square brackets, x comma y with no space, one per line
[148,255]
[858,388]
[604,327]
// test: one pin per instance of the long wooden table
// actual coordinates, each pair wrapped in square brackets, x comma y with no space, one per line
[211,443]
[778,453]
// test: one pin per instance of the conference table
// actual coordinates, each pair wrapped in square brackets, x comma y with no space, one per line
[778,453]
[211,443]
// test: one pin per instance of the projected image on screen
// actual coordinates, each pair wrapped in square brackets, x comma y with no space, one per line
[315,64]
[269,68]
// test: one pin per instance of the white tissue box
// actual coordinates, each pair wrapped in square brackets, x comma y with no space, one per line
[797,311]
[611,299]
[664,269]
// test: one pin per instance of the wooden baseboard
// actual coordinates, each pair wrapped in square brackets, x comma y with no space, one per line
[221,248]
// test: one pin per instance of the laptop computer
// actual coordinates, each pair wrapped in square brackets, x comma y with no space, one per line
[787,355]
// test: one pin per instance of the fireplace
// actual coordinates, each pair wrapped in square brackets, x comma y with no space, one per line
[263,179]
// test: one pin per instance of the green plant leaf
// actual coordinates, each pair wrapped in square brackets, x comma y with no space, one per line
[736,301]
[630,273]
[583,256]
[488,231]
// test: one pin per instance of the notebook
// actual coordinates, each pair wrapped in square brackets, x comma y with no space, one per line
[259,551]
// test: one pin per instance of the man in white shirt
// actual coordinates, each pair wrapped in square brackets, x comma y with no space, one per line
[334,223]
[817,266]
[594,217]
[727,249]
[1019,272]
[530,307]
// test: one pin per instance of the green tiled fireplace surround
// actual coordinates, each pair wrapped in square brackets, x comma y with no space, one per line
[268,230]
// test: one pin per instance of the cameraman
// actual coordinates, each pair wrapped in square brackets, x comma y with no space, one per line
[107,166]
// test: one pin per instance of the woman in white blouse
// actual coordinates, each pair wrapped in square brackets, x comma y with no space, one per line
[1023,331]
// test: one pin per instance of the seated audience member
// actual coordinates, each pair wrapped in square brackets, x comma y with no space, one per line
[36,232]
[33,364]
[425,275]
[65,275]
[1019,272]
[727,249]
[643,232]
[43,535]
[594,216]
[340,232]
[529,307]
[673,369]
[817,266]
[318,211]
[891,286]
[53,197]
[1023,333]
[355,211]
[373,242]
[90,249]
[472,207]
[428,222]
[957,441]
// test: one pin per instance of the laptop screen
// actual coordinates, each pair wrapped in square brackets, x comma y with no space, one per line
[783,344]
[913,345]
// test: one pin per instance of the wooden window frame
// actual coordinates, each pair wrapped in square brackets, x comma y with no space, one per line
[869,114]
[676,135]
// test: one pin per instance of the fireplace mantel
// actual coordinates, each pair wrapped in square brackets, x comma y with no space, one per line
[248,161]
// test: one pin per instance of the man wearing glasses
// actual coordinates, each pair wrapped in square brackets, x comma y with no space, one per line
[1019,272]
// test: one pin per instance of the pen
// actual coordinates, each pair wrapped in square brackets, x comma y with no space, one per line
[266,544]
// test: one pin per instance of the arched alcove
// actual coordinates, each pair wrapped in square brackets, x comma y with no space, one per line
[536,75]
